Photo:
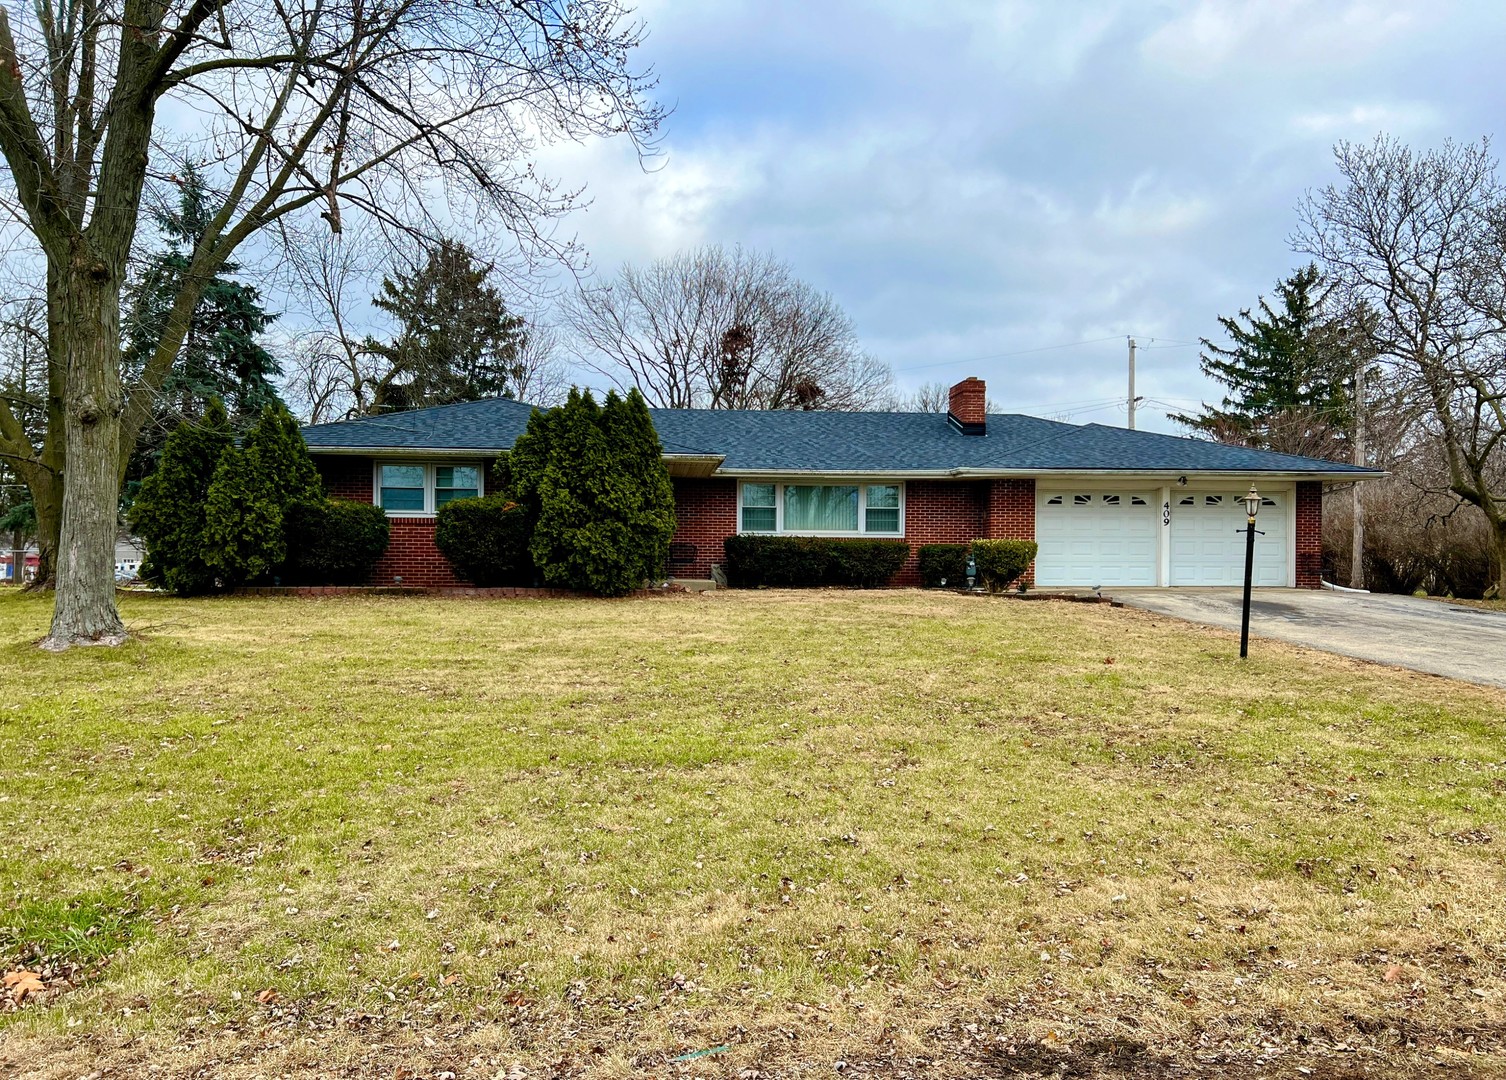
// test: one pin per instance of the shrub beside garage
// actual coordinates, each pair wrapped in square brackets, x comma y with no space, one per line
[942,564]
[1002,562]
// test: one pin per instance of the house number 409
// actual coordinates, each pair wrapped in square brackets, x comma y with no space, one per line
[1166,513]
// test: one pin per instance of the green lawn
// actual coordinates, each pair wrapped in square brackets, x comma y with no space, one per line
[920,834]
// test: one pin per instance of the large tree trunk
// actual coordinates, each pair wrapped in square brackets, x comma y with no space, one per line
[1498,534]
[47,496]
[84,608]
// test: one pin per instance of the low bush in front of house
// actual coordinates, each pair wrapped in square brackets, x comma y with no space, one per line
[943,564]
[866,563]
[1001,562]
[486,540]
[333,541]
[759,561]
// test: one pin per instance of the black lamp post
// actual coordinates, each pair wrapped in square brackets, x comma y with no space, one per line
[1252,507]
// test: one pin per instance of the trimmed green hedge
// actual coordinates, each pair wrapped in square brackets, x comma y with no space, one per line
[943,562]
[333,542]
[754,561]
[1002,561]
[486,540]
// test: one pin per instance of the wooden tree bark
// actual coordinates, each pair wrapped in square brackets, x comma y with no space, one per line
[84,611]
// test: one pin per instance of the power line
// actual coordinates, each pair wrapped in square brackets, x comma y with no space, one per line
[1173,343]
[1004,355]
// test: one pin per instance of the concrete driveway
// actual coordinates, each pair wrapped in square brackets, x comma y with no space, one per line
[1424,635]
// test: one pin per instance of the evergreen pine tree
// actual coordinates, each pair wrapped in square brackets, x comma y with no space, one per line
[1288,369]
[252,489]
[221,357]
[455,341]
[276,450]
[597,494]
[169,511]
[643,497]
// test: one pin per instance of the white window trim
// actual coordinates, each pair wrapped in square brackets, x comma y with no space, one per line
[429,509]
[861,485]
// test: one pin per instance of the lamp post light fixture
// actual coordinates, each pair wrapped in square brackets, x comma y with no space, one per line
[1252,507]
[972,570]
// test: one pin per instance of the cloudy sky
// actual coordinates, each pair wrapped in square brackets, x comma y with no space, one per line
[1008,189]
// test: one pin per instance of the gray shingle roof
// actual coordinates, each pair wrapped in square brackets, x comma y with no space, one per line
[839,442]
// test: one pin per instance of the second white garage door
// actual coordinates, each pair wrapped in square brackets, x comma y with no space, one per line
[1208,540]
[1090,538]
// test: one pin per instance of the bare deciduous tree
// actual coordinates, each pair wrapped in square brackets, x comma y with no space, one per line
[1417,237]
[312,107]
[722,329]
[542,378]
[332,374]
[933,397]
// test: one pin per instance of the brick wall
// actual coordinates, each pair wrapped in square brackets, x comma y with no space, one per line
[1011,515]
[345,477]
[705,515]
[412,556]
[936,512]
[411,553]
[941,512]
[1309,539]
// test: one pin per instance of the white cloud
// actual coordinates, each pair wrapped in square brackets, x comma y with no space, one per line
[990,178]
[1208,38]
[1362,121]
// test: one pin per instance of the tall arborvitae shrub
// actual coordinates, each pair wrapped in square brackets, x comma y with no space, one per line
[596,492]
[643,498]
[169,510]
[252,489]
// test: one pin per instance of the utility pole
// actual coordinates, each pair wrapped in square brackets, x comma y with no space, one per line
[1357,552]
[1132,384]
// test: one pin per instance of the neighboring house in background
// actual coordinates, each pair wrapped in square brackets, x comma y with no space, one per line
[1108,506]
[30,560]
[129,551]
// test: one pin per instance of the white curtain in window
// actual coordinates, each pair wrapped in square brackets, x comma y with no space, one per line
[827,508]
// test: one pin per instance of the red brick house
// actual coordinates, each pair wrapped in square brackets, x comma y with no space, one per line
[1108,506]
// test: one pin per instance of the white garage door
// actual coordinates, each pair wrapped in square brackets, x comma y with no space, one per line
[1208,540]
[1092,538]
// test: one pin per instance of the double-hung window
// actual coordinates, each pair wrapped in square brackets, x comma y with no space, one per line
[821,509]
[404,488]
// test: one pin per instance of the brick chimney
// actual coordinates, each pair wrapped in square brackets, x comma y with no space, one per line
[967,406]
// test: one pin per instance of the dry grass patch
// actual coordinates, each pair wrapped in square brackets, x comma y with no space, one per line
[914,833]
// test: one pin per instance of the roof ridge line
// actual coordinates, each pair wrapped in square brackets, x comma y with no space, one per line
[425,409]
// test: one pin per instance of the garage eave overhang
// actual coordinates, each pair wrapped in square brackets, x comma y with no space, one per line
[1172,475]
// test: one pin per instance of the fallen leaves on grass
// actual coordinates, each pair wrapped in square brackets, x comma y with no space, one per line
[20,984]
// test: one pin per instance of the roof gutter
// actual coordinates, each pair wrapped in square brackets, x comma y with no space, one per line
[706,464]
[1216,474]
[1025,474]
